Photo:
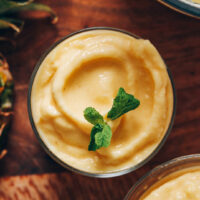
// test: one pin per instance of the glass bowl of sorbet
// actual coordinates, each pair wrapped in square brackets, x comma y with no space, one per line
[175,179]
[86,68]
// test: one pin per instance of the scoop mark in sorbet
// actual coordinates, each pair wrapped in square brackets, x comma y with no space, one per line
[101,132]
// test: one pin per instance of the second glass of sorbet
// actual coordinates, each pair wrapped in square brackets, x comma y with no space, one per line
[178,179]
[86,69]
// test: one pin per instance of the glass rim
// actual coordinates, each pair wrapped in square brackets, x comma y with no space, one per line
[186,7]
[161,168]
[108,174]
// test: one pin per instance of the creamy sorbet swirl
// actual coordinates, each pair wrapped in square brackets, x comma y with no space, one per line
[184,186]
[87,69]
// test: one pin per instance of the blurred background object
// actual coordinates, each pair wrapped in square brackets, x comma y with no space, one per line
[12,17]
[188,7]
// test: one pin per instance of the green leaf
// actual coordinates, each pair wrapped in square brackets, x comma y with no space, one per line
[100,137]
[6,6]
[123,103]
[14,24]
[103,138]
[9,7]
[39,7]
[93,146]
[101,132]
[93,116]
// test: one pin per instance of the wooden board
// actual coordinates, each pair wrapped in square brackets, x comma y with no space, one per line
[38,187]
[176,36]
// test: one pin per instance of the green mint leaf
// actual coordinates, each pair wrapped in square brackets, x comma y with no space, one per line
[93,116]
[122,104]
[103,138]
[96,129]
[101,132]
[100,137]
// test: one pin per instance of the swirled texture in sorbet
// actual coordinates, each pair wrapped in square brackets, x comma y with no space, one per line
[183,187]
[87,69]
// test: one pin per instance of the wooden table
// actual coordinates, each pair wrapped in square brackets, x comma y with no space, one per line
[177,37]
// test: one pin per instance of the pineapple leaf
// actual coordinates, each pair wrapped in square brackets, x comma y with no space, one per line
[11,7]
[6,5]
[15,24]
[37,7]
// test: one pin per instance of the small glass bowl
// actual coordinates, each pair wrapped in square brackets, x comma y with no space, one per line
[65,165]
[160,172]
[187,7]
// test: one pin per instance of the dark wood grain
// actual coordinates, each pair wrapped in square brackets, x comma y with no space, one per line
[176,36]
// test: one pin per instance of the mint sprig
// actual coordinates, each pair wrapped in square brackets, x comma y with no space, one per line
[100,137]
[101,132]
[122,104]
[93,116]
